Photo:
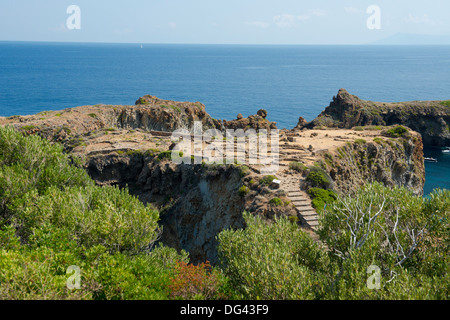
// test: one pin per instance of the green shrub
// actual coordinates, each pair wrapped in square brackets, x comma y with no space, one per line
[244,170]
[168,155]
[276,202]
[297,166]
[374,227]
[317,178]
[396,132]
[267,180]
[28,127]
[31,164]
[321,197]
[165,155]
[445,103]
[53,216]
[270,261]
[94,215]
[379,141]
[243,191]
[294,219]
[360,141]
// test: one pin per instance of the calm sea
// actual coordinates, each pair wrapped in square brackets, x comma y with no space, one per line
[288,81]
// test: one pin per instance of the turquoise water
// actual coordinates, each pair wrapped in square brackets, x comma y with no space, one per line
[437,174]
[288,81]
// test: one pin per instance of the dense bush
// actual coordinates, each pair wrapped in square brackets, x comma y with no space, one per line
[396,132]
[267,180]
[317,178]
[276,202]
[243,191]
[32,165]
[297,166]
[93,215]
[321,197]
[403,237]
[270,261]
[52,216]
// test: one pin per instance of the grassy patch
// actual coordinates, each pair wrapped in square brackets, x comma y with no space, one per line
[243,191]
[320,197]
[360,141]
[297,166]
[317,178]
[445,103]
[28,127]
[276,202]
[396,132]
[267,180]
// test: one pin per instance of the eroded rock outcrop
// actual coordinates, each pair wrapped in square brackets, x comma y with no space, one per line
[123,145]
[150,114]
[430,118]
[256,122]
[394,162]
[196,202]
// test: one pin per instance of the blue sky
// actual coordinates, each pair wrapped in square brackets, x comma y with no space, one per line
[221,22]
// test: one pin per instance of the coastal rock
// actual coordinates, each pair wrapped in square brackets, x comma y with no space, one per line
[256,122]
[196,202]
[430,118]
[301,124]
[262,113]
[125,146]
[394,162]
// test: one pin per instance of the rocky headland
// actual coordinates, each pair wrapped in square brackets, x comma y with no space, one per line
[430,118]
[129,146]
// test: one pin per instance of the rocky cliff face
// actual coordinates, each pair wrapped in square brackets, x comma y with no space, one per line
[393,162]
[430,118]
[125,145]
[149,114]
[196,202]
[154,114]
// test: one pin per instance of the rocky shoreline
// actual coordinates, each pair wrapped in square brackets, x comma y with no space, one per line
[430,118]
[349,142]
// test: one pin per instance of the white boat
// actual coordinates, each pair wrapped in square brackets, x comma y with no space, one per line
[446,151]
[430,160]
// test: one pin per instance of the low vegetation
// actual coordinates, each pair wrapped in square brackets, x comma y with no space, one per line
[321,198]
[396,132]
[297,166]
[318,178]
[267,180]
[381,243]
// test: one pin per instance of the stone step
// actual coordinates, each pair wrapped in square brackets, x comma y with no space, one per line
[302,205]
[310,218]
[298,198]
[293,193]
[307,212]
